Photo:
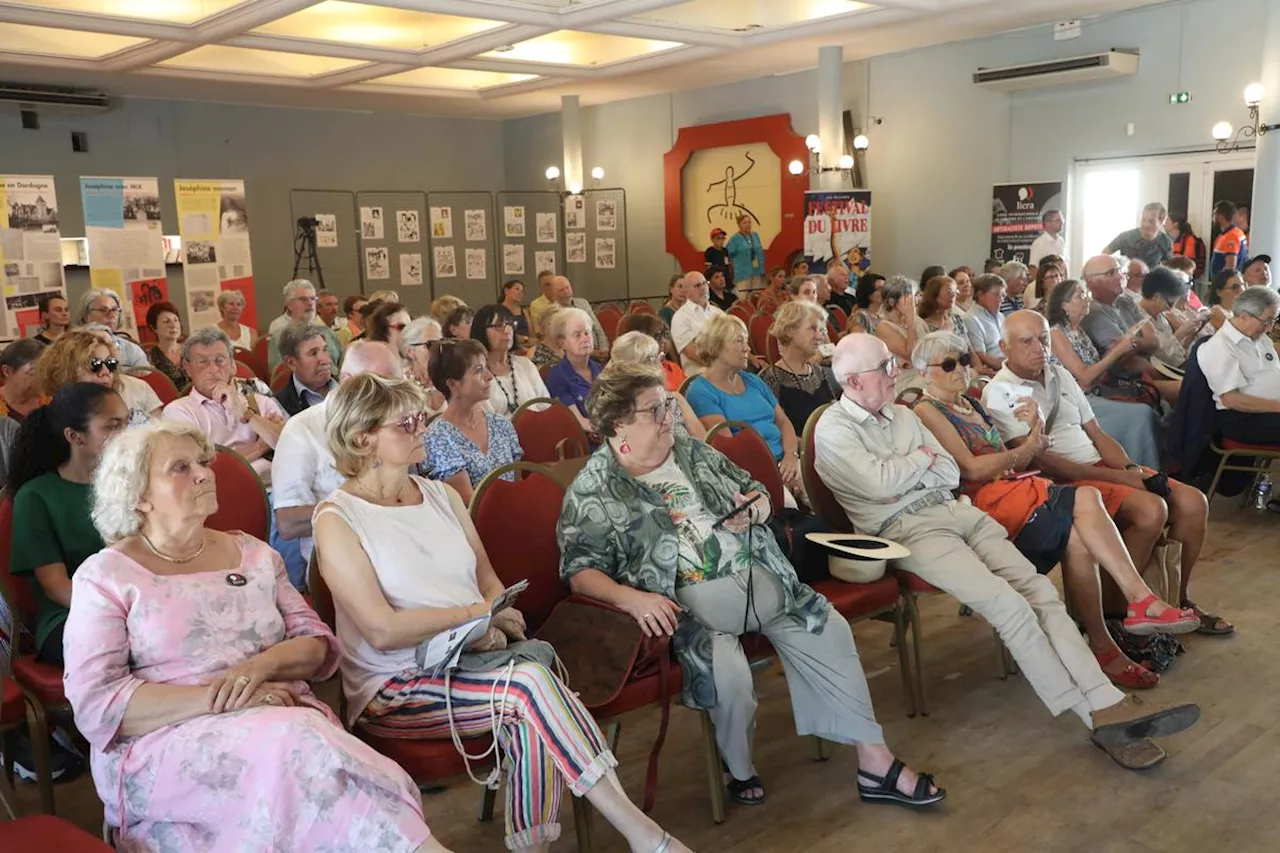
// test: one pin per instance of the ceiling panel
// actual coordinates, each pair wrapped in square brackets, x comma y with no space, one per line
[47,41]
[375,26]
[748,14]
[266,63]
[171,11]
[450,78]
[569,47]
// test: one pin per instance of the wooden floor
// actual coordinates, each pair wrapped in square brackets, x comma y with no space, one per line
[1018,780]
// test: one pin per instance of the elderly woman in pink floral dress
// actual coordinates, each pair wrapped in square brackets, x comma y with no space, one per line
[187,659]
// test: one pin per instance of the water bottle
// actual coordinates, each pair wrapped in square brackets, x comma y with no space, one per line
[1262,496]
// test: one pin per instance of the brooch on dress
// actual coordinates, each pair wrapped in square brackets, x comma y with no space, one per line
[237,579]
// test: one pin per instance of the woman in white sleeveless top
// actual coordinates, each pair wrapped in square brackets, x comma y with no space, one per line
[404,562]
[230,305]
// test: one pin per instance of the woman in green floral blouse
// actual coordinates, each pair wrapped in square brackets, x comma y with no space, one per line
[638,531]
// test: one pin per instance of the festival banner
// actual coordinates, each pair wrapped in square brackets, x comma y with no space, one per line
[214,225]
[837,224]
[1015,217]
[122,224]
[30,250]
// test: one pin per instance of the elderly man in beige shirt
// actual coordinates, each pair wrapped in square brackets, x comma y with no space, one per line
[894,479]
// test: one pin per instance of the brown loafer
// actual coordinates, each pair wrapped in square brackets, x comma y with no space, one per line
[1134,719]
[1141,754]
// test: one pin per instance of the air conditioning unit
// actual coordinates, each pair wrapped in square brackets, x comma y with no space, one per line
[1077,69]
[29,96]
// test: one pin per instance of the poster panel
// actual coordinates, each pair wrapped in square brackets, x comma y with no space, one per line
[1015,217]
[30,250]
[837,224]
[122,224]
[214,223]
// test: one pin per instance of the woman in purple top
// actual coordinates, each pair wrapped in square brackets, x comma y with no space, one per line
[569,380]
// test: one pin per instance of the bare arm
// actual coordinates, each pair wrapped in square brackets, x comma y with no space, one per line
[55,583]
[1113,455]
[1239,401]
[1088,375]
[980,469]
[894,340]
[461,483]
[692,424]
[294,522]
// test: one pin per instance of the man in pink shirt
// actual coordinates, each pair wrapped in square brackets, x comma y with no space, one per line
[248,423]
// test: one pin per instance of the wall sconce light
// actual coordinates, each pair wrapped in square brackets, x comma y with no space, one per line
[1228,140]
[574,188]
[795,167]
[597,173]
[844,164]
[553,173]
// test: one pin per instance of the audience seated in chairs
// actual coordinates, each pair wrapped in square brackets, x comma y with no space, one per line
[515,378]
[1115,314]
[1048,523]
[687,323]
[561,290]
[1224,287]
[1240,364]
[638,531]
[940,314]
[900,327]
[403,562]
[305,354]
[652,325]
[726,391]
[166,354]
[870,299]
[54,314]
[230,307]
[639,348]
[1125,408]
[386,324]
[570,379]
[300,302]
[1163,290]
[798,379]
[103,307]
[88,354]
[547,352]
[19,386]
[675,299]
[303,470]
[162,681]
[985,323]
[420,338]
[468,440]
[893,478]
[1140,500]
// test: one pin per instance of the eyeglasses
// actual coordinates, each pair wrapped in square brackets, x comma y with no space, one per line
[1113,271]
[949,365]
[399,327]
[96,365]
[216,361]
[659,411]
[889,366]
[109,311]
[412,424]
[499,324]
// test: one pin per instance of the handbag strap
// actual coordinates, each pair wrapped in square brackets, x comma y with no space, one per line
[1052,388]
[651,773]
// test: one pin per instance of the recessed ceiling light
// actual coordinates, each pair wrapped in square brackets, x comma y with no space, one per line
[504,48]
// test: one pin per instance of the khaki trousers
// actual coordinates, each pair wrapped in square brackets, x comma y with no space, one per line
[966,553]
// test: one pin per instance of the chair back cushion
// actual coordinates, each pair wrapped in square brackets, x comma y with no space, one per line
[758,330]
[820,497]
[242,501]
[640,307]
[609,316]
[244,371]
[548,435]
[746,449]
[16,591]
[161,384]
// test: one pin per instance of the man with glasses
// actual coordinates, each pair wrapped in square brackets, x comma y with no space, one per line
[689,320]
[300,302]
[1243,371]
[561,290]
[103,306]
[1115,313]
[894,479]
[304,469]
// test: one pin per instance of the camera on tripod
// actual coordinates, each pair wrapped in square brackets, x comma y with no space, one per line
[308,223]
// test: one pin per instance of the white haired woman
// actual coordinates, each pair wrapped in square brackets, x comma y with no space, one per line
[419,339]
[103,306]
[230,307]
[570,379]
[800,385]
[1048,523]
[639,348]
[188,654]
[726,391]
[404,563]
[900,327]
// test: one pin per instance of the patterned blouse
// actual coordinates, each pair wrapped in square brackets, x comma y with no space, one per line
[866,320]
[957,325]
[613,523]
[799,395]
[161,362]
[1080,342]
[449,451]
[543,356]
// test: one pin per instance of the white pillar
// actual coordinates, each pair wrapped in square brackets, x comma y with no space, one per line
[571,138]
[1264,225]
[831,113]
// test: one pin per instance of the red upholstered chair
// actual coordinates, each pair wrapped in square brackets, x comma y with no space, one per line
[242,500]
[256,365]
[261,351]
[609,316]
[744,311]
[746,449]
[758,333]
[841,320]
[279,378]
[38,685]
[548,431]
[48,833]
[244,371]
[640,306]
[161,384]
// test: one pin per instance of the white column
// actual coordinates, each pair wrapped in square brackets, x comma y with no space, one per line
[1264,225]
[571,138]
[830,113]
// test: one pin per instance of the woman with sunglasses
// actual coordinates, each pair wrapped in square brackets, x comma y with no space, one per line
[88,355]
[420,338]
[143,402]
[515,379]
[1225,286]
[1048,523]
[386,324]
[468,440]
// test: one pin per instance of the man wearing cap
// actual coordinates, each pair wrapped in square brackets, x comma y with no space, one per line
[717,256]
[1257,271]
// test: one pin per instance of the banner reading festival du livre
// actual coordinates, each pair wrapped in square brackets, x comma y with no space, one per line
[30,250]
[1015,217]
[126,244]
[214,225]
[837,224]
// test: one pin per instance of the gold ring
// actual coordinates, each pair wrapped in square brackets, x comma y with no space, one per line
[241,680]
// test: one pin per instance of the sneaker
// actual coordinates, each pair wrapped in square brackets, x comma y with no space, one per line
[66,765]
[1133,719]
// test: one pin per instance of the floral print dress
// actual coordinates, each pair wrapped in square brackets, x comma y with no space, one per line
[258,779]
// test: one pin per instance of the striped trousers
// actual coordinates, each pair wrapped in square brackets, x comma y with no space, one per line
[547,737]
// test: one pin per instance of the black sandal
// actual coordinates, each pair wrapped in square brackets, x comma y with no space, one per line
[1214,626]
[886,790]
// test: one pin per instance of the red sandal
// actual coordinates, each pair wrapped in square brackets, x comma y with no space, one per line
[1139,620]
[1133,676]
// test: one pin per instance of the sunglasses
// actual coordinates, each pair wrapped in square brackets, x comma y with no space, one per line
[399,327]
[96,365]
[948,365]
[412,424]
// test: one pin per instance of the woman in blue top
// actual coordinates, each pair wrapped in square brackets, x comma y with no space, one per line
[570,379]
[467,440]
[727,392]
[747,253]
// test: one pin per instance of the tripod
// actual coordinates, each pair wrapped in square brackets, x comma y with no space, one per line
[304,244]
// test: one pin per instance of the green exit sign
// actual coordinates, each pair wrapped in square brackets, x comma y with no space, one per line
[1180,98]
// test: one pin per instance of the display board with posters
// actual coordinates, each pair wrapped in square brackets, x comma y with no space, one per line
[1015,217]
[30,249]
[837,224]
[214,223]
[122,225]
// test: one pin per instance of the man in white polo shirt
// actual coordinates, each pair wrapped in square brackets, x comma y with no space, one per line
[304,470]
[1243,371]
[689,320]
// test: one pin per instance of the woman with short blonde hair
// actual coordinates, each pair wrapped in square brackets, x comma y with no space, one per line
[442,307]
[639,348]
[547,352]
[798,379]
[230,305]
